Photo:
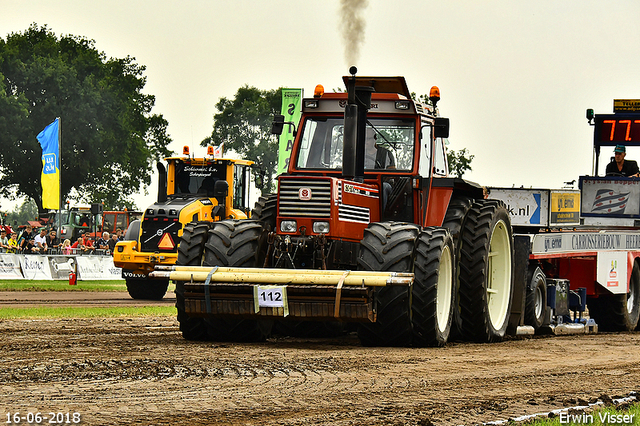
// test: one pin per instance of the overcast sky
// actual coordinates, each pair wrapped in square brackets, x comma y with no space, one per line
[515,77]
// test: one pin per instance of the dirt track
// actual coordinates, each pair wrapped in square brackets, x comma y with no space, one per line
[141,371]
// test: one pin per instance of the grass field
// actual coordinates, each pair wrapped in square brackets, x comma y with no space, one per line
[77,312]
[83,312]
[63,285]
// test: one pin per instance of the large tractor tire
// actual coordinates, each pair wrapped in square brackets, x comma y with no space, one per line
[389,246]
[191,253]
[454,221]
[147,289]
[266,211]
[619,312]
[235,243]
[486,271]
[536,299]
[433,288]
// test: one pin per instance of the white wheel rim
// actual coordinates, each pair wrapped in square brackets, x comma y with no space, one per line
[631,298]
[538,302]
[499,275]
[443,291]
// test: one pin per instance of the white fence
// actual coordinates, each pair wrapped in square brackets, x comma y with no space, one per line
[57,267]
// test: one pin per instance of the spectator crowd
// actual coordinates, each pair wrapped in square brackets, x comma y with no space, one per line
[46,241]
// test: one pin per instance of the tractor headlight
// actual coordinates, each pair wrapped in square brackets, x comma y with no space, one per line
[288,226]
[321,227]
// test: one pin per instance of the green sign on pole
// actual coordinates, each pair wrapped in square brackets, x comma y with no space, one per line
[291,102]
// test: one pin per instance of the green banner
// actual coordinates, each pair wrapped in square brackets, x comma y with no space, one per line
[291,109]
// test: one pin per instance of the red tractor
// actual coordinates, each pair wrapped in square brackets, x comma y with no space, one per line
[366,199]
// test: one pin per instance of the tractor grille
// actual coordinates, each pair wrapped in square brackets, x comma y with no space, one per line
[153,230]
[319,205]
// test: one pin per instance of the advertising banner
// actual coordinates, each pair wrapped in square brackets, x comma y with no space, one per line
[97,268]
[61,266]
[565,208]
[527,207]
[610,197]
[35,267]
[291,109]
[10,267]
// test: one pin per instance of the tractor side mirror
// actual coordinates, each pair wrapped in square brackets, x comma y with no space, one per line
[220,191]
[277,125]
[441,128]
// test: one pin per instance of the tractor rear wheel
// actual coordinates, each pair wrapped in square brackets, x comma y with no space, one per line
[619,312]
[536,298]
[486,271]
[266,211]
[388,246]
[190,253]
[235,243]
[147,289]
[433,288]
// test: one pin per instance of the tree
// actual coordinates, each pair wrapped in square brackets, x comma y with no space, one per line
[110,139]
[22,214]
[244,125]
[459,161]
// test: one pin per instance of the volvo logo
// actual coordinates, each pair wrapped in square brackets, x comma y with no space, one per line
[304,194]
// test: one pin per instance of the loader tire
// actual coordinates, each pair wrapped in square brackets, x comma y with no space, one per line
[388,246]
[235,243]
[147,289]
[454,221]
[266,211]
[486,271]
[433,289]
[619,312]
[191,253]
[536,298]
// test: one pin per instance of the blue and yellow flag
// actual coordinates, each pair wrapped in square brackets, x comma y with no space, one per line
[50,179]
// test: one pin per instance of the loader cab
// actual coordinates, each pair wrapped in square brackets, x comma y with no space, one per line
[197,177]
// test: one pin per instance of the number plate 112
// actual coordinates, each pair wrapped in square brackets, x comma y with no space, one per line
[270,296]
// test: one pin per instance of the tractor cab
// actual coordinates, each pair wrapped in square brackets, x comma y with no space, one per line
[368,155]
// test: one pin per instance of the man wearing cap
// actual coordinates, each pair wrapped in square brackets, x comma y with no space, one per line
[621,167]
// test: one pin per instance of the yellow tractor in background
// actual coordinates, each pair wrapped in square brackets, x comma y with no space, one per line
[191,192]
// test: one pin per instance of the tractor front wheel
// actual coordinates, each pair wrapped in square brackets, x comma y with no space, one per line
[235,243]
[388,246]
[433,288]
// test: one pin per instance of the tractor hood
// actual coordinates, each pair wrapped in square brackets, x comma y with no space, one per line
[162,222]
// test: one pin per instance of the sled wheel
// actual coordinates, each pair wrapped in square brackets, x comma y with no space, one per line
[619,312]
[536,298]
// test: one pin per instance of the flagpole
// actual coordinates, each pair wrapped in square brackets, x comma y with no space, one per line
[59,231]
